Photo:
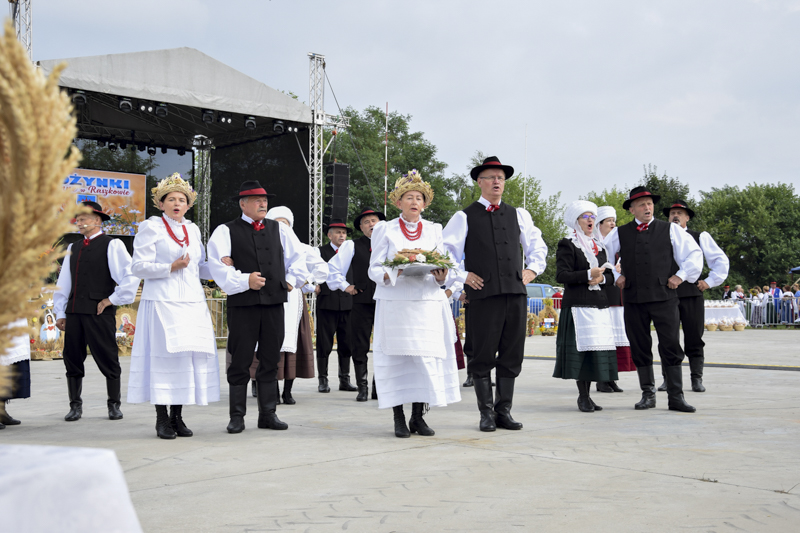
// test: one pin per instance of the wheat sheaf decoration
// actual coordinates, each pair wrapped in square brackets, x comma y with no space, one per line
[36,154]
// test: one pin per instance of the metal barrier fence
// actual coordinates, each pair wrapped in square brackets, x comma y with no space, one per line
[771,312]
[535,305]
[219,316]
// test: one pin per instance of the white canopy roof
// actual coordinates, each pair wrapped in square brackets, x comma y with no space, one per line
[182,76]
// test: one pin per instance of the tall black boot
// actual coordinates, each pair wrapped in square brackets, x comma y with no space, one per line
[483,392]
[614,387]
[163,427]
[374,390]
[253,388]
[416,424]
[647,382]
[112,387]
[675,390]
[588,391]
[238,408]
[663,386]
[696,368]
[322,370]
[502,404]
[584,403]
[362,381]
[287,392]
[468,382]
[74,387]
[267,404]
[5,418]
[604,386]
[277,392]
[400,427]
[344,375]
[176,421]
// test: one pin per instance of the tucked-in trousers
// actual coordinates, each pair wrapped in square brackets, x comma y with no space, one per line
[362,318]
[248,326]
[496,333]
[330,323]
[99,333]
[666,319]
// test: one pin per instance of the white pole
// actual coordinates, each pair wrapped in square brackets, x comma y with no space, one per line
[386,160]
[525,173]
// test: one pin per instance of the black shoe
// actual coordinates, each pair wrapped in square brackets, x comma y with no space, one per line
[468,382]
[675,390]
[2,426]
[400,428]
[112,387]
[323,385]
[613,385]
[345,385]
[647,382]
[254,389]
[696,367]
[663,386]
[287,392]
[74,386]
[374,390]
[604,386]
[362,381]
[238,408]
[502,404]
[416,424]
[267,403]
[5,418]
[697,385]
[483,392]
[163,427]
[584,403]
[176,421]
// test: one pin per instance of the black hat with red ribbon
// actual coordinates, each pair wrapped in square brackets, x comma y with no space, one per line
[640,192]
[678,204]
[251,188]
[94,206]
[336,223]
[365,212]
[492,162]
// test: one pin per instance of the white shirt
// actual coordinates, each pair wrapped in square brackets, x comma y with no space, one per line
[339,265]
[530,237]
[717,261]
[234,281]
[685,251]
[317,267]
[119,265]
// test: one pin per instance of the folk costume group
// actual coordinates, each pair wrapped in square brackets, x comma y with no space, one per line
[617,280]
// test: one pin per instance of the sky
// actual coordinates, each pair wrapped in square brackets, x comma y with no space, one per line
[707,91]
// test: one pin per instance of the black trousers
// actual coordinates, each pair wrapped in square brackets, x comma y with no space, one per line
[467,337]
[248,325]
[330,323]
[693,322]
[496,332]
[362,317]
[666,319]
[99,333]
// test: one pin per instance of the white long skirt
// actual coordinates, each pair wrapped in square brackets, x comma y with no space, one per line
[163,378]
[409,378]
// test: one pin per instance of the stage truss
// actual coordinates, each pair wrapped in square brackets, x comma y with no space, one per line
[20,13]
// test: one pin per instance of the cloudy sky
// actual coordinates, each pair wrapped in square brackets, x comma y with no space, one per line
[709,91]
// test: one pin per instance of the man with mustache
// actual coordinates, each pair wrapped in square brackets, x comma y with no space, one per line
[656,258]
[268,262]
[690,295]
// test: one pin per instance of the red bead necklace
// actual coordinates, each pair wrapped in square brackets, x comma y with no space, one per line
[411,235]
[181,242]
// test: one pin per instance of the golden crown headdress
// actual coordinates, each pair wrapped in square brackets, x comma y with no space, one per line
[411,182]
[173,183]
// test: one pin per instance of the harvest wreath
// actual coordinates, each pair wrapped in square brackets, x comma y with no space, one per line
[406,257]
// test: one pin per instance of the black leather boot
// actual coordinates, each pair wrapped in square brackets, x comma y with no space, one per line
[176,421]
[502,405]
[112,387]
[604,386]
[663,386]
[483,392]
[74,387]
[584,403]
[322,370]
[238,408]
[647,382]
[344,375]
[416,424]
[253,388]
[267,403]
[5,418]
[400,427]
[696,368]
[287,392]
[468,382]
[277,392]
[675,390]
[163,427]
[614,387]
[362,381]
[374,390]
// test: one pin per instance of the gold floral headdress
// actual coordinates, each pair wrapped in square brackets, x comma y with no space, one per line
[411,182]
[173,183]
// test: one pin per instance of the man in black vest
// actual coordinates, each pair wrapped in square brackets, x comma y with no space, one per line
[488,234]
[333,314]
[656,258]
[95,278]
[726,292]
[691,304]
[348,272]
[268,261]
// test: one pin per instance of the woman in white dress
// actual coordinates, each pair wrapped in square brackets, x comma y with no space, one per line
[174,357]
[414,338]
[18,358]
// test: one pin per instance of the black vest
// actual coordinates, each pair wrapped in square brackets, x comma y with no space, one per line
[258,251]
[647,262]
[359,268]
[91,278]
[334,300]
[492,251]
[687,289]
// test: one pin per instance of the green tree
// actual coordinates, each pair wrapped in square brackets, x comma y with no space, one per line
[615,198]
[670,189]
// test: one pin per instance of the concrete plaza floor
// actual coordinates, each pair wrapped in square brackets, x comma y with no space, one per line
[732,466]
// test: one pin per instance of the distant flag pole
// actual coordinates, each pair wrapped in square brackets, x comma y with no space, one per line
[386,160]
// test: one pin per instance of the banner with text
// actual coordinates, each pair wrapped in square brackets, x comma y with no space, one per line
[121,195]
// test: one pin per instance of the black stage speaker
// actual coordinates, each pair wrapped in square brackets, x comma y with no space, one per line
[337,192]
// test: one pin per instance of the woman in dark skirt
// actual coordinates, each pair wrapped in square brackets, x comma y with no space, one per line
[17,359]
[585,348]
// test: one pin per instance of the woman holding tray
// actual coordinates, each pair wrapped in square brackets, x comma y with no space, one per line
[414,339]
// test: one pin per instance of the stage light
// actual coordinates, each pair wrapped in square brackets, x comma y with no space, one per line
[79,98]
[224,118]
[123,145]
[112,146]
[181,151]
[250,123]
[125,105]
[208,116]
[278,127]
[141,147]
[163,149]
[162,111]
[146,107]
[101,143]
[151,150]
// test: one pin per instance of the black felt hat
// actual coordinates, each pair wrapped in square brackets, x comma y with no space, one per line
[640,192]
[252,188]
[365,212]
[492,162]
[678,204]
[94,206]
[337,223]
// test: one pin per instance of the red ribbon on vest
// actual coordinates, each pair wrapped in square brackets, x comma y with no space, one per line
[641,227]
[258,226]
[86,241]
[492,208]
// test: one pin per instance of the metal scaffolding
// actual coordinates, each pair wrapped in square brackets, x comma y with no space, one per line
[20,12]
[202,183]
